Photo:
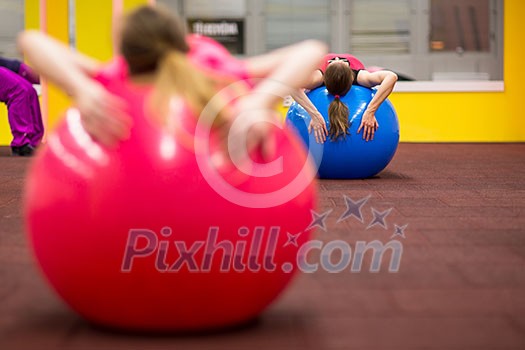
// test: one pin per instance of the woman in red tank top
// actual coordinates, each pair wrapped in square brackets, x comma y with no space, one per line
[339,72]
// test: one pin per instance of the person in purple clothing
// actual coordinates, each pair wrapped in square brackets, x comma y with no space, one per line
[23,107]
[21,69]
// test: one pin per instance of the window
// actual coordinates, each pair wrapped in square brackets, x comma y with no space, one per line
[11,23]
[429,39]
[382,27]
[290,21]
[420,40]
[460,26]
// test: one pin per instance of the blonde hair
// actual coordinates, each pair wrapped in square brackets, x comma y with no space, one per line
[153,41]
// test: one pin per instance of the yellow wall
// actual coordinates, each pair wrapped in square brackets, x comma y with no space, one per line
[424,117]
[130,4]
[31,14]
[57,26]
[93,28]
[5,133]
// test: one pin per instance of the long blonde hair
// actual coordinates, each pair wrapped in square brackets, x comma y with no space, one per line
[153,41]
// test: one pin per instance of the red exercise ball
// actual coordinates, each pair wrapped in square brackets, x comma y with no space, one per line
[150,237]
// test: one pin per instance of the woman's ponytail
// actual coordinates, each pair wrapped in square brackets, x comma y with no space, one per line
[338,116]
[338,79]
[178,76]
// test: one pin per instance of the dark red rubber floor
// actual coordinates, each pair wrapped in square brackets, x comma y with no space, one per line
[460,285]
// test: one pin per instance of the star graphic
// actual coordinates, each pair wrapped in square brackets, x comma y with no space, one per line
[292,239]
[353,208]
[319,219]
[400,231]
[379,218]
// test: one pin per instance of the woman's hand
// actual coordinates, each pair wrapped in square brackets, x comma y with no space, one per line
[318,125]
[249,129]
[103,114]
[369,125]
[260,136]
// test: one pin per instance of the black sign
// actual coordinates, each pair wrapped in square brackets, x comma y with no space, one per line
[228,32]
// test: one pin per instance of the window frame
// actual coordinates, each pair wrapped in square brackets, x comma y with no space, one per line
[420,56]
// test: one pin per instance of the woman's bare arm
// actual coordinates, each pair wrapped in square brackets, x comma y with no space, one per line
[283,71]
[385,81]
[286,69]
[294,59]
[102,113]
[317,124]
[54,60]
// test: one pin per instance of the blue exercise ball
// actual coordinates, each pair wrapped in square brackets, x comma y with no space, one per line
[350,157]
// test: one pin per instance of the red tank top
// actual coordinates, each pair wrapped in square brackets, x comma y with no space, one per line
[355,64]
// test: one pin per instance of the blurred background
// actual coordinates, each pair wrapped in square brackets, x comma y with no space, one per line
[422,39]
